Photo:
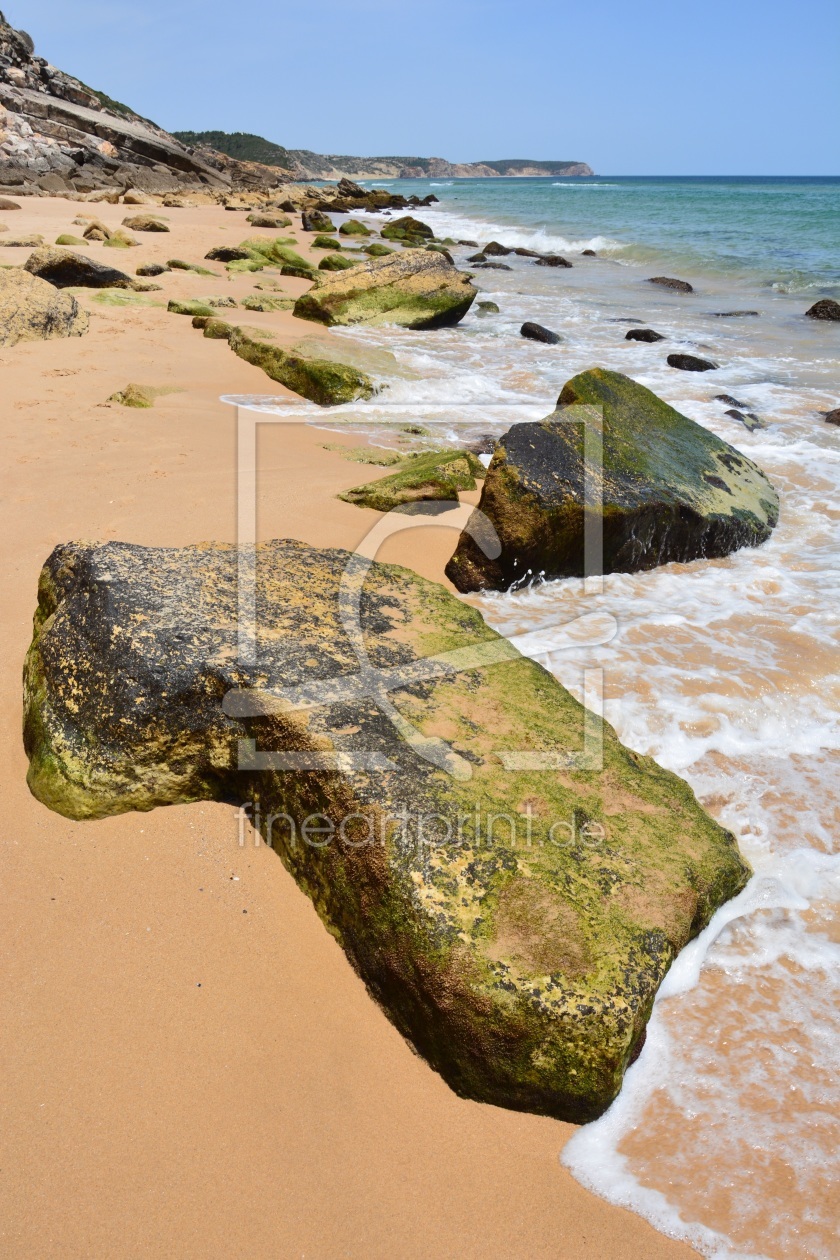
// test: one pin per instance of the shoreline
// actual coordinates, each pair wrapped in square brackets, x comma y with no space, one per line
[186,1078]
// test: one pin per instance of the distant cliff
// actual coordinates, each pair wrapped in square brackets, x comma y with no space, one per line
[304,164]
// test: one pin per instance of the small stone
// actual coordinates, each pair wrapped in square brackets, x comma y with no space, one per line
[552,260]
[668,282]
[832,417]
[643,334]
[690,363]
[536,332]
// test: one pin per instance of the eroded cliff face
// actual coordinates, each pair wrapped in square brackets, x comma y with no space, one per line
[59,135]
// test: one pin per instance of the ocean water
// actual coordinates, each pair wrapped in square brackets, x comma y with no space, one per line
[727,1130]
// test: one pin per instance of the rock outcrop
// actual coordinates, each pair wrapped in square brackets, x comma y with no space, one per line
[417,289]
[669,490]
[536,332]
[32,310]
[512,910]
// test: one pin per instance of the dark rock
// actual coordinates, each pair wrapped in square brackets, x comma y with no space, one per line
[472,243]
[227,253]
[151,269]
[429,200]
[487,308]
[336,262]
[729,400]
[588,253]
[495,250]
[672,491]
[480,257]
[521,252]
[523,970]
[643,334]
[493,266]
[667,282]
[145,223]
[315,221]
[690,363]
[65,270]
[747,419]
[826,308]
[484,445]
[552,260]
[352,227]
[733,314]
[536,332]
[832,417]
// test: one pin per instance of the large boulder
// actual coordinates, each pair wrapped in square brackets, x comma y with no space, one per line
[670,490]
[415,289]
[32,310]
[64,269]
[513,921]
[310,374]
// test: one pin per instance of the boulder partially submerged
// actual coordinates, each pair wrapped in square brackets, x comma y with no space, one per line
[416,290]
[32,310]
[312,375]
[669,490]
[512,910]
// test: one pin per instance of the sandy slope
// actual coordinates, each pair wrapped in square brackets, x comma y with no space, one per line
[190,1066]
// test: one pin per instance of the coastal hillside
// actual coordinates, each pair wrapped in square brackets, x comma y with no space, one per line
[304,164]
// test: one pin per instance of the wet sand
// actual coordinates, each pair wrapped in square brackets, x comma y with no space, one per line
[190,1066]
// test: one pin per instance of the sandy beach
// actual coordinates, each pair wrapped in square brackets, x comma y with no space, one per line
[191,1067]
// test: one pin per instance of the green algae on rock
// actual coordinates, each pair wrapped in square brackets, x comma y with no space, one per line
[309,374]
[189,306]
[326,242]
[426,477]
[417,290]
[267,302]
[337,262]
[513,918]
[407,228]
[352,227]
[669,490]
[377,250]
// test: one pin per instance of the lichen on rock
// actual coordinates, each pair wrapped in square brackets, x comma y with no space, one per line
[426,477]
[667,489]
[417,290]
[512,910]
[310,374]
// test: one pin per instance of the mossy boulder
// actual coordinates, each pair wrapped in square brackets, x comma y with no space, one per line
[120,240]
[152,269]
[67,238]
[326,242]
[417,290]
[304,371]
[407,228]
[277,253]
[66,270]
[377,250]
[96,230]
[33,310]
[512,911]
[487,308]
[189,306]
[145,223]
[430,476]
[337,262]
[217,329]
[352,227]
[670,490]
[180,264]
[269,220]
[267,302]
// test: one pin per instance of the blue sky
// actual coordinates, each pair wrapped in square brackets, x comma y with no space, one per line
[657,87]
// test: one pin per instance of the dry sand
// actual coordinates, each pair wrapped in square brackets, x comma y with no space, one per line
[190,1067]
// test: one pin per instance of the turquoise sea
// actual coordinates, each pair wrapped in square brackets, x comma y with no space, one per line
[727,1129]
